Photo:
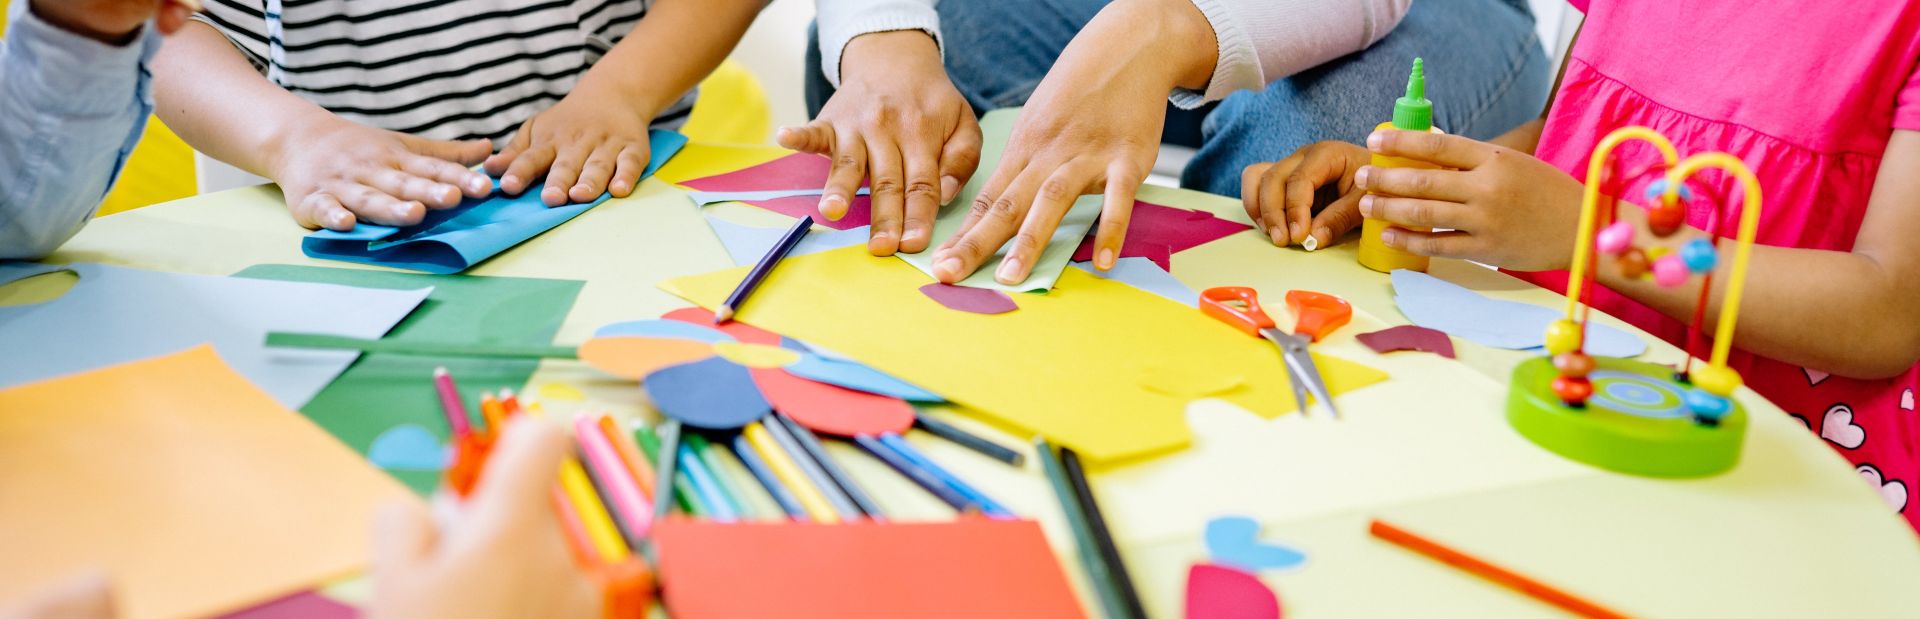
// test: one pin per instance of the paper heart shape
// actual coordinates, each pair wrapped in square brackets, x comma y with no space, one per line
[1906,400]
[1814,377]
[1838,428]
[408,447]
[1218,592]
[1893,491]
[1235,541]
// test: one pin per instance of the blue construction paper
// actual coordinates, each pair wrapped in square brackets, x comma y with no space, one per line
[703,198]
[453,240]
[1142,273]
[1435,303]
[1234,541]
[747,244]
[858,377]
[664,328]
[114,315]
[710,394]
[408,447]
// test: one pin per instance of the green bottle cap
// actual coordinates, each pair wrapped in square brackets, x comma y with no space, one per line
[1414,112]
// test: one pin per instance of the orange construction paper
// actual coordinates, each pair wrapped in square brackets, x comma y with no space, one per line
[191,487]
[634,357]
[970,568]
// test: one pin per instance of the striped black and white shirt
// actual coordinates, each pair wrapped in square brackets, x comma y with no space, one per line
[442,69]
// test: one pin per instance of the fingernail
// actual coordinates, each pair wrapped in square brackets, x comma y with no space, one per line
[833,207]
[339,219]
[1318,233]
[1360,176]
[1278,235]
[948,268]
[913,235]
[1366,204]
[1009,270]
[1374,140]
[1310,244]
[1293,230]
[1104,260]
[949,187]
[1390,237]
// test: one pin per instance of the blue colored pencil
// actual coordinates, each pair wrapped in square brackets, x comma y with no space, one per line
[811,444]
[967,439]
[759,273]
[781,495]
[723,510]
[925,480]
[987,505]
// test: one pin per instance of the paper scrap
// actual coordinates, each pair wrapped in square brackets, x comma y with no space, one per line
[711,394]
[116,314]
[1190,382]
[832,409]
[747,244]
[1157,232]
[1142,273]
[995,128]
[968,568]
[1077,349]
[703,198]
[1435,303]
[791,185]
[744,332]
[408,447]
[303,605]
[818,366]
[236,499]
[633,358]
[1234,541]
[672,329]
[1408,337]
[561,392]
[1217,592]
[971,300]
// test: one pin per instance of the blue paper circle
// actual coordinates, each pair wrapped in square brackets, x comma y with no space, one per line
[711,394]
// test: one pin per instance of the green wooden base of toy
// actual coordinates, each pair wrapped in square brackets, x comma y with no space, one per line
[1600,434]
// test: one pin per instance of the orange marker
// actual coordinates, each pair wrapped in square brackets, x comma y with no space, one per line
[1539,590]
[495,414]
[510,403]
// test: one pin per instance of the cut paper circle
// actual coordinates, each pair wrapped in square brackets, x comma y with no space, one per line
[1144,274]
[757,355]
[407,447]
[857,376]
[702,318]
[711,394]
[1435,303]
[1408,337]
[677,329]
[1216,592]
[1190,382]
[1235,541]
[971,300]
[833,410]
[633,358]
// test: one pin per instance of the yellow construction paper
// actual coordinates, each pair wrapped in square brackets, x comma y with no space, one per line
[1065,365]
[192,488]
[756,355]
[704,160]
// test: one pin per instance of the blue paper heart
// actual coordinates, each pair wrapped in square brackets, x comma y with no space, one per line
[1235,541]
[408,447]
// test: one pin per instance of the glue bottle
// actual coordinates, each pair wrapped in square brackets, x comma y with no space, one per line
[1412,112]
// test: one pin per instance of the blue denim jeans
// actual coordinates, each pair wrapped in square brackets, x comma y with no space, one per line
[1486,74]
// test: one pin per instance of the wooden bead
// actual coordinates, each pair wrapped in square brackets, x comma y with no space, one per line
[1563,336]
[1699,255]
[1665,218]
[1615,238]
[1573,391]
[1707,407]
[1717,380]
[1670,271]
[1573,364]
[1633,263]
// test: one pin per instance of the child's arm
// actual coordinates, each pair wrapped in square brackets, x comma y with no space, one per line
[334,172]
[1849,313]
[595,139]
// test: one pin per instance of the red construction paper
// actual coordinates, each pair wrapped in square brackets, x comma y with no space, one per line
[832,409]
[965,569]
[739,330]
[1408,337]
[795,171]
[859,213]
[1157,232]
[974,300]
[1216,592]
[303,605]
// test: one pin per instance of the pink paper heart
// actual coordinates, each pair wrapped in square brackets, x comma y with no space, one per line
[1218,592]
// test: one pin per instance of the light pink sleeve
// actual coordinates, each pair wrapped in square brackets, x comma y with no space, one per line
[1264,40]
[1906,115]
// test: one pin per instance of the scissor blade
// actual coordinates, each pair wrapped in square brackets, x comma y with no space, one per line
[1306,376]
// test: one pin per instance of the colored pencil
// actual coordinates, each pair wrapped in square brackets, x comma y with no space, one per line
[666,464]
[925,480]
[450,402]
[811,444]
[593,514]
[1091,562]
[1499,575]
[317,341]
[683,494]
[493,413]
[759,273]
[575,531]
[698,467]
[789,473]
[987,505]
[842,505]
[510,404]
[603,489]
[781,495]
[968,440]
[1102,537]
[620,491]
[629,453]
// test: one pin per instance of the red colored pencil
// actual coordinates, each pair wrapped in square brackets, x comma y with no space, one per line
[1499,575]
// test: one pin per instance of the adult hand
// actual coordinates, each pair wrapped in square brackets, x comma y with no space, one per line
[1280,196]
[1092,126]
[898,120]
[336,173]
[593,141]
[82,596]
[506,558]
[114,21]
[1499,206]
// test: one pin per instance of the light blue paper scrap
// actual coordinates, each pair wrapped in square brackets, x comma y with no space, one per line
[1142,273]
[747,244]
[114,315]
[858,377]
[663,328]
[1435,303]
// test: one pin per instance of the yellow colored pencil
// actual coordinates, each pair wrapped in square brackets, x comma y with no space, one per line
[816,505]
[593,514]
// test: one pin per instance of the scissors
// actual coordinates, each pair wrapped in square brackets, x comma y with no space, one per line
[1315,315]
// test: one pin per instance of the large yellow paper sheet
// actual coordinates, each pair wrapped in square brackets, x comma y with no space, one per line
[1067,365]
[190,487]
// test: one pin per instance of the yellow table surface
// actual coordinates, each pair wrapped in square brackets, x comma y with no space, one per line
[1792,531]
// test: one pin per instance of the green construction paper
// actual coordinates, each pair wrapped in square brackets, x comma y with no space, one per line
[384,390]
[282,339]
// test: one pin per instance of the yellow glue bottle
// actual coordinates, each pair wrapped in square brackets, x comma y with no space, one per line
[1412,112]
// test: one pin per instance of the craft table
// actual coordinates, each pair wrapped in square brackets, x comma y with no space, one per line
[1792,531]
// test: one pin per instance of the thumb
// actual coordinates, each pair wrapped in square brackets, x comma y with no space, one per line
[403,536]
[463,152]
[814,137]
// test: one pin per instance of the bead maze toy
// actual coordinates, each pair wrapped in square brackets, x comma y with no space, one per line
[1631,416]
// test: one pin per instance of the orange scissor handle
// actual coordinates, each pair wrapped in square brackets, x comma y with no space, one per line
[1238,306]
[1316,314]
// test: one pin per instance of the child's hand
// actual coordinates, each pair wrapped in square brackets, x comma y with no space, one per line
[338,172]
[591,142]
[898,119]
[506,558]
[1279,196]
[113,21]
[1500,206]
[82,596]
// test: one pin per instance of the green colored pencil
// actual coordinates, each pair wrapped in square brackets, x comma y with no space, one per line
[683,493]
[1084,544]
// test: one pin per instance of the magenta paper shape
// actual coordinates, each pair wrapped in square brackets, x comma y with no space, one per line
[302,605]
[1408,337]
[1157,232]
[859,213]
[795,171]
[1218,592]
[974,300]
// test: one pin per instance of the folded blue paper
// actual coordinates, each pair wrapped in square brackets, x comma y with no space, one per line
[453,240]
